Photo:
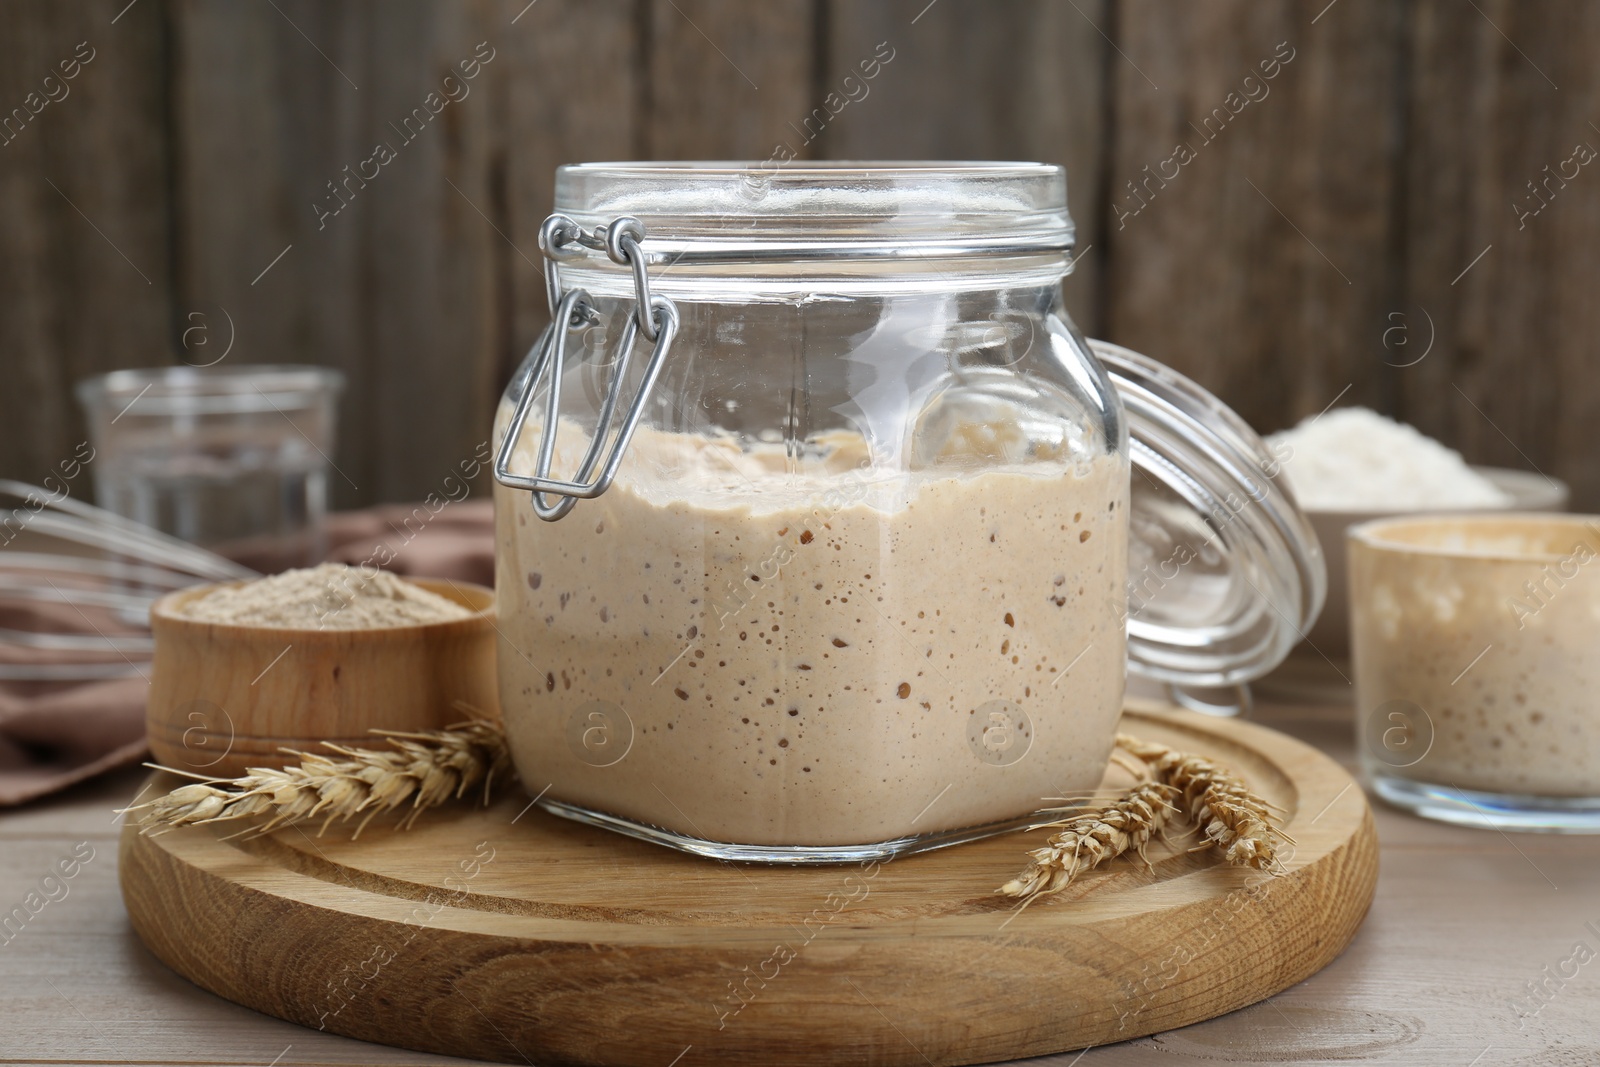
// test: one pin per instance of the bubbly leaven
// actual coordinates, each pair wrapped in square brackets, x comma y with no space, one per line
[784,651]
[1474,653]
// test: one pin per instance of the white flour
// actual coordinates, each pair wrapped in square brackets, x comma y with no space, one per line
[1353,459]
[333,596]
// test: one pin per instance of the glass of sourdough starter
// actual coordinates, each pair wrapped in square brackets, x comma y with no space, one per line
[838,563]
[1475,667]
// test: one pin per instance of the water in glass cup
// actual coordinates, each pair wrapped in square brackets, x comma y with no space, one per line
[235,460]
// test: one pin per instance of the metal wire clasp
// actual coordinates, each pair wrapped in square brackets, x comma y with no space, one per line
[654,316]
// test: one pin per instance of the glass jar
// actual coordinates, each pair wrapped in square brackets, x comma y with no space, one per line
[828,556]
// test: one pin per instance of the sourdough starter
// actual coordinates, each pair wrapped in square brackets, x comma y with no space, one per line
[789,654]
[1488,626]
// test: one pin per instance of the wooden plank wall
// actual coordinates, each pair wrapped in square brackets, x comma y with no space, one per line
[1364,196]
[85,253]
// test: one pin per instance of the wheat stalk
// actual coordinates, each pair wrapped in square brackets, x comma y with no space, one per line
[419,771]
[1224,809]
[1091,838]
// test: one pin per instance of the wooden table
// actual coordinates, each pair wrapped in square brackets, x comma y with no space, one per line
[1467,923]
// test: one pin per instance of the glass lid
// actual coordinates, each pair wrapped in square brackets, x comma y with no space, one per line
[1224,572]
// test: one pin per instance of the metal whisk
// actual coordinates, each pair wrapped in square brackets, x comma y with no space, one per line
[107,569]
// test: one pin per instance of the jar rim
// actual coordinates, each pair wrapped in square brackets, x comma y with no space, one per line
[1449,535]
[187,390]
[802,168]
[709,209]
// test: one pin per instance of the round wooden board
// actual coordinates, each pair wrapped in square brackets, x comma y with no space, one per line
[510,934]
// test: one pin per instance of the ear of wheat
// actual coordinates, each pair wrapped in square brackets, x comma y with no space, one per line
[1092,838]
[1221,806]
[419,771]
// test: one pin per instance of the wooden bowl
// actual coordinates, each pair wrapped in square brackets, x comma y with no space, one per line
[224,697]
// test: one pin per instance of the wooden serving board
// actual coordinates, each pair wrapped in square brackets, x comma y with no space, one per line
[510,934]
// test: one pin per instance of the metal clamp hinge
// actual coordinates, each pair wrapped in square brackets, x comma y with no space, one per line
[656,317]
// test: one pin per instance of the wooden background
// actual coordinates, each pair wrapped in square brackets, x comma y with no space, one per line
[1369,199]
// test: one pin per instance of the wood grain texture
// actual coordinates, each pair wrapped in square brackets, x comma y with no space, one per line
[1462,921]
[263,120]
[570,92]
[1263,267]
[91,992]
[726,79]
[1389,155]
[225,698]
[386,269]
[974,80]
[84,265]
[556,940]
[432,243]
[1501,94]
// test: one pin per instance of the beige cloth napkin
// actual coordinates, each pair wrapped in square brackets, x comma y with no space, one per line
[54,734]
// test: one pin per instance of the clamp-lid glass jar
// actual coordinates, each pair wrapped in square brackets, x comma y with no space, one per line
[828,548]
